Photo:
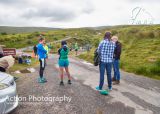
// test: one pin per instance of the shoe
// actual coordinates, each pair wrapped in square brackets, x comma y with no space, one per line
[69,82]
[40,80]
[98,89]
[110,88]
[113,79]
[44,79]
[61,83]
[104,92]
[116,82]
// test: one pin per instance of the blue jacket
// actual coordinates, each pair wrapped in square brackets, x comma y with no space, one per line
[41,51]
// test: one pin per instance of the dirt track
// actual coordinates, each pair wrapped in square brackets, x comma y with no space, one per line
[135,94]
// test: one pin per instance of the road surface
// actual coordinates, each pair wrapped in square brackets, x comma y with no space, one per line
[135,94]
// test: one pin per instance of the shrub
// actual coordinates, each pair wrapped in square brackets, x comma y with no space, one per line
[146,34]
[2,39]
[141,70]
[3,33]
[35,34]
[114,32]
[96,42]
[133,31]
[29,42]
[30,36]
[155,70]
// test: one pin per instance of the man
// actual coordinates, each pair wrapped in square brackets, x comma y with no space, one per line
[76,48]
[117,54]
[35,50]
[106,51]
[42,56]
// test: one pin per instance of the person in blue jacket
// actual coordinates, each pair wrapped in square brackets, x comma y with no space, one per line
[42,56]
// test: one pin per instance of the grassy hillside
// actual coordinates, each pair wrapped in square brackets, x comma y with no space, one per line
[141,49]
[141,44]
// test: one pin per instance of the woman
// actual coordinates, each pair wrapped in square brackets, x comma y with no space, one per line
[117,54]
[64,62]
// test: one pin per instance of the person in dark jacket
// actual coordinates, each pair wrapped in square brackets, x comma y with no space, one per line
[117,54]
[35,50]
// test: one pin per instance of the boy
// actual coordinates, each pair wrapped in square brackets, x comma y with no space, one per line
[42,56]
[64,62]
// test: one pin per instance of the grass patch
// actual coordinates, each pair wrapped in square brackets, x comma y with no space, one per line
[17,66]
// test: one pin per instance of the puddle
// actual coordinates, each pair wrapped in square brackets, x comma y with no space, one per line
[25,71]
[28,70]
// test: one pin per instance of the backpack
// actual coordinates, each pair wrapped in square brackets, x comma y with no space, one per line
[96,58]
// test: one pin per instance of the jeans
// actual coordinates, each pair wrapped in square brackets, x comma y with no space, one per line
[116,70]
[42,67]
[108,67]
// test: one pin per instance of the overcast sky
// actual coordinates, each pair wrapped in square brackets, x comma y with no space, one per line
[76,13]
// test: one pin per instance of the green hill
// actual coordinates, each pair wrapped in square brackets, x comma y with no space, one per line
[141,49]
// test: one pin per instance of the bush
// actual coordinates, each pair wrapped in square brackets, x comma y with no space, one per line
[146,34]
[114,32]
[133,31]
[30,36]
[141,70]
[2,39]
[3,33]
[29,42]
[96,42]
[155,70]
[35,34]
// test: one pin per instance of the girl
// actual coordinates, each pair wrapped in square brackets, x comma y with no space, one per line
[64,62]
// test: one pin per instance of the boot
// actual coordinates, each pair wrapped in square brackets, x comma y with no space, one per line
[116,82]
[113,79]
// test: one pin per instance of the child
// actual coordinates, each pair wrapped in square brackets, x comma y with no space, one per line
[64,62]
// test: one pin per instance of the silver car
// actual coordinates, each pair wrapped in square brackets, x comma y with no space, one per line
[8,94]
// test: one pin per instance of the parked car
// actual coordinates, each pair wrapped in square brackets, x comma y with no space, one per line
[7,92]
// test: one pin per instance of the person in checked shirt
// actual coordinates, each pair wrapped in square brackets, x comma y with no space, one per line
[106,51]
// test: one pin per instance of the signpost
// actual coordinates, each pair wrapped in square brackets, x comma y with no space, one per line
[9,51]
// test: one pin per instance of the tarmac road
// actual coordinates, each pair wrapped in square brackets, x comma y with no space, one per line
[135,94]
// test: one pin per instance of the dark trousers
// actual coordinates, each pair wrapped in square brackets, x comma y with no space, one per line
[2,69]
[116,70]
[42,67]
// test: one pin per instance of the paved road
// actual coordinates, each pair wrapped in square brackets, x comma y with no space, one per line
[135,94]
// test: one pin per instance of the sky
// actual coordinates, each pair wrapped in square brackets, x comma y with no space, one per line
[78,13]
